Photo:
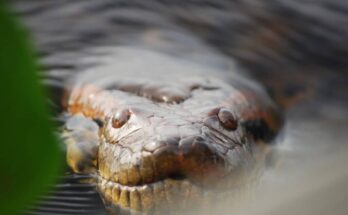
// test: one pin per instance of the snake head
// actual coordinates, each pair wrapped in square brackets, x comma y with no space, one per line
[161,142]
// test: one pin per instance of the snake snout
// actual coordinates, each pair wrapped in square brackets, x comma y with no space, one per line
[191,158]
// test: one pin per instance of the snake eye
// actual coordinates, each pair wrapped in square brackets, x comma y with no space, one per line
[120,118]
[227,120]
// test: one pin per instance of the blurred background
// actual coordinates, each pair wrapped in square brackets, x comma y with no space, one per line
[297,49]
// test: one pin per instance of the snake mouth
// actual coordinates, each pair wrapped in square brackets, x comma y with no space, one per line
[175,195]
[151,198]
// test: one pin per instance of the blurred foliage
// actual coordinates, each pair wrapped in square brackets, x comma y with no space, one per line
[29,154]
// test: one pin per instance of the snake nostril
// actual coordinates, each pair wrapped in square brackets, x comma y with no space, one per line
[227,119]
[120,118]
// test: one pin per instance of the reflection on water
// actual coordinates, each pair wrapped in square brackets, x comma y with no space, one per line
[281,43]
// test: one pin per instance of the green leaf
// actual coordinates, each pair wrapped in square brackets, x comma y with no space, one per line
[29,154]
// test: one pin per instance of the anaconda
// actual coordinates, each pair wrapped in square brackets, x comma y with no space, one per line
[168,133]
[158,104]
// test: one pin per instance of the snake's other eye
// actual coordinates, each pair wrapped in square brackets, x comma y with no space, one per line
[120,118]
[227,120]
